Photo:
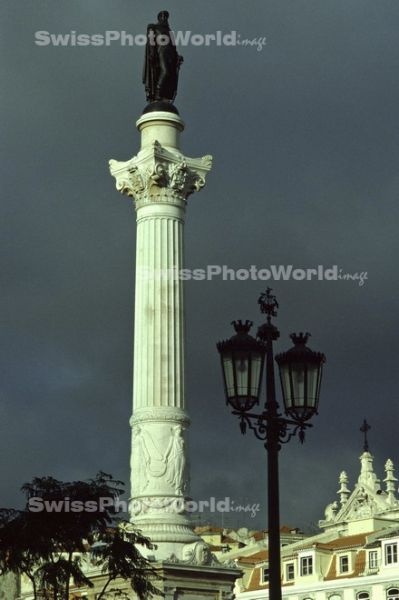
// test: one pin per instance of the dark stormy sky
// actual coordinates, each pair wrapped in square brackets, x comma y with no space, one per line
[304,135]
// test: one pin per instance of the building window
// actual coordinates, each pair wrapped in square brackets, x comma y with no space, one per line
[335,597]
[363,596]
[344,564]
[306,565]
[373,559]
[289,572]
[264,574]
[393,594]
[391,554]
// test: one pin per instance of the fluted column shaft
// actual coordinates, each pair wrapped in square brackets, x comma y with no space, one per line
[159,337]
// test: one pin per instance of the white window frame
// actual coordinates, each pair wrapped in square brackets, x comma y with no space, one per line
[306,563]
[373,559]
[393,590]
[363,596]
[340,559]
[264,579]
[393,559]
[287,567]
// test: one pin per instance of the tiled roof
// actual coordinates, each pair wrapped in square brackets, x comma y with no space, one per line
[332,571]
[287,529]
[253,559]
[228,540]
[255,583]
[359,566]
[259,535]
[208,529]
[349,541]
[284,529]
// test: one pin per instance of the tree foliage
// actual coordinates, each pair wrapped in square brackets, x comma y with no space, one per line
[65,529]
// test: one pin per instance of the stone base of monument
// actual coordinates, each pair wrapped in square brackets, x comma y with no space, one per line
[181,581]
[195,581]
[195,573]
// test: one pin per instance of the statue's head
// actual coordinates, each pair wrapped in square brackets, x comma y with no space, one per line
[163,16]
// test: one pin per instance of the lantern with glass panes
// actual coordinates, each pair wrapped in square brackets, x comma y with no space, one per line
[242,365]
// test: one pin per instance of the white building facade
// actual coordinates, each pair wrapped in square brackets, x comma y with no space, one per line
[356,555]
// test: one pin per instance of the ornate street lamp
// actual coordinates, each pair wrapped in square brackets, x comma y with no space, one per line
[300,368]
[300,375]
[243,359]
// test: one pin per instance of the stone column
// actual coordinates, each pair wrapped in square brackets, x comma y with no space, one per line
[160,179]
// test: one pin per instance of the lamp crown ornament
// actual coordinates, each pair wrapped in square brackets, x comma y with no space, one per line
[242,340]
[300,351]
[242,327]
[300,339]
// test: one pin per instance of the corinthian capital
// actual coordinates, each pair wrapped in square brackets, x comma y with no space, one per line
[158,174]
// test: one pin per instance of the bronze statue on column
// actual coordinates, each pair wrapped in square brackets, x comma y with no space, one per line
[161,66]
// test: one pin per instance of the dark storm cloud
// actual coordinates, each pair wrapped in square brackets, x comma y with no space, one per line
[304,136]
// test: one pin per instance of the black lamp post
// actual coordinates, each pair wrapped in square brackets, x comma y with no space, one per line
[300,369]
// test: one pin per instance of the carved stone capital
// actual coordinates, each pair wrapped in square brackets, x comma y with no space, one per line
[158,174]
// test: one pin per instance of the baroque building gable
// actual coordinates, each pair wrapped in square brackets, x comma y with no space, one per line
[367,500]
